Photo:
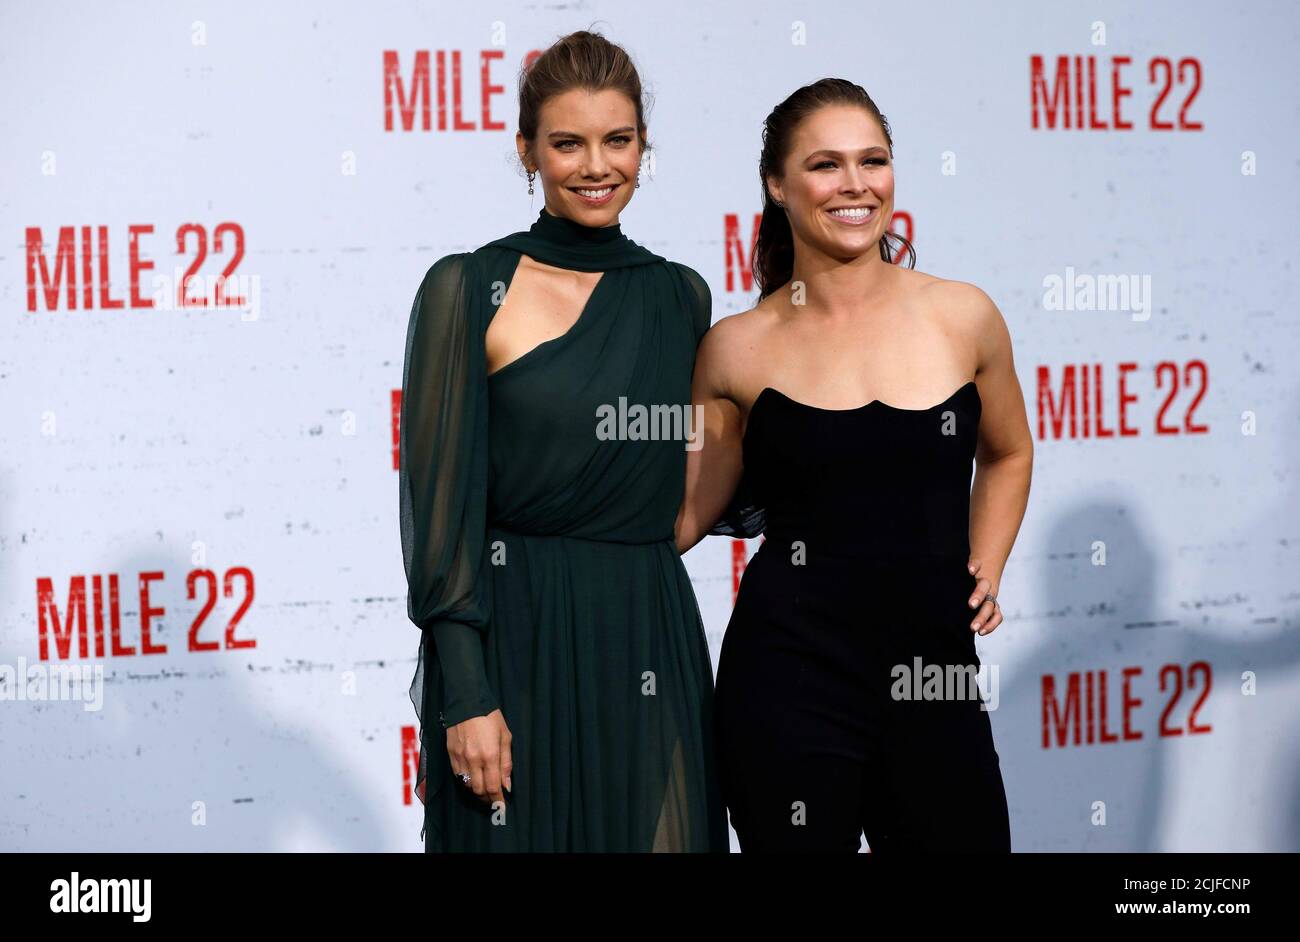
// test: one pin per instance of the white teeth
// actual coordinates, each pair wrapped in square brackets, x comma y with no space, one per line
[595,194]
[851,213]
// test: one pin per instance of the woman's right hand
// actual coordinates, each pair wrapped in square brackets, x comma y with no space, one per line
[481,746]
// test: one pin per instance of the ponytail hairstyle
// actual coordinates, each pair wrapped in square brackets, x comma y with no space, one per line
[773,260]
[583,60]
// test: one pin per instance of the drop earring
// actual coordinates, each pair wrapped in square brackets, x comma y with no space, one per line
[638,179]
[530,182]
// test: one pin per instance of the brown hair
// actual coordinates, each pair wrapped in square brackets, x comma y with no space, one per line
[773,261]
[583,60]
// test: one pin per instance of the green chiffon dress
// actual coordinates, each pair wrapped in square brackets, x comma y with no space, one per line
[540,557]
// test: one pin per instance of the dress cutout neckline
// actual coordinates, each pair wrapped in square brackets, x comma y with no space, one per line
[551,341]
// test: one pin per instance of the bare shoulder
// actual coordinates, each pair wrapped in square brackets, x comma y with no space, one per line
[732,345]
[964,308]
[971,316]
[737,335]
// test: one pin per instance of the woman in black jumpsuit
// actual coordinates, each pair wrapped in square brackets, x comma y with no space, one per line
[815,750]
[830,720]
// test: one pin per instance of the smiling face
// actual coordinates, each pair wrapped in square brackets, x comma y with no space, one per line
[838,183]
[586,152]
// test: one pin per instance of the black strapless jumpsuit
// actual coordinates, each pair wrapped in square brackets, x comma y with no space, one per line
[862,572]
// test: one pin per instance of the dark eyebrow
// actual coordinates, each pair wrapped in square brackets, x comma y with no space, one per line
[625,130]
[834,153]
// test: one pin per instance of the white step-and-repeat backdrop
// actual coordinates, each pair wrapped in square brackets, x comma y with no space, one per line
[198,489]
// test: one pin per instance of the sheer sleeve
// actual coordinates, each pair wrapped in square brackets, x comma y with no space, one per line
[442,447]
[701,298]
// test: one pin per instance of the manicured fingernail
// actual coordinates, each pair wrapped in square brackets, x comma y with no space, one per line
[975,626]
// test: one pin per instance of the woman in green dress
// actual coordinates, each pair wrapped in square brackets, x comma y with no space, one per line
[562,652]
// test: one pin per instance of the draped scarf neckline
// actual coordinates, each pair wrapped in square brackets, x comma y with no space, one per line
[564,243]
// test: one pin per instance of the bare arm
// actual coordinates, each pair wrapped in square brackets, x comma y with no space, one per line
[1004,457]
[713,470]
